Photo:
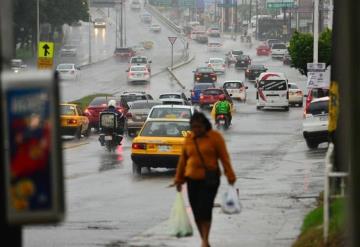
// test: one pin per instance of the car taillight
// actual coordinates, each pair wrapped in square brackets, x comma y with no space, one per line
[197,78]
[209,65]
[214,78]
[247,71]
[201,96]
[131,74]
[221,116]
[192,93]
[129,115]
[139,146]
[72,121]
[299,93]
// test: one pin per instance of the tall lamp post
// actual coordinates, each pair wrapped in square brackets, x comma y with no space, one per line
[89,32]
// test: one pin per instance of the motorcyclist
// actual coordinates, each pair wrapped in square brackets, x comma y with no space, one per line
[119,117]
[223,107]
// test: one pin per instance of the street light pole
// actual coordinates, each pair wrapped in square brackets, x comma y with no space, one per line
[89,32]
[316,31]
[38,22]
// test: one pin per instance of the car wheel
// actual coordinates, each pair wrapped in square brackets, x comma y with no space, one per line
[286,108]
[312,144]
[301,104]
[258,107]
[78,132]
[87,132]
[136,168]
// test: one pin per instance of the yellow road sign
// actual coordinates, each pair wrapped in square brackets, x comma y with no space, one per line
[46,50]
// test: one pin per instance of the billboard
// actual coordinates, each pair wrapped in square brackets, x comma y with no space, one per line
[33,160]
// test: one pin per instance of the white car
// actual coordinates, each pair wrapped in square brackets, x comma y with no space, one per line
[175,98]
[141,60]
[100,23]
[218,65]
[17,65]
[155,28]
[138,73]
[139,49]
[135,5]
[236,89]
[315,124]
[278,50]
[214,45]
[296,95]
[68,71]
[171,111]
[68,51]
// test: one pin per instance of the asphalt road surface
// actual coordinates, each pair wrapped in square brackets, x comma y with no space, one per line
[278,176]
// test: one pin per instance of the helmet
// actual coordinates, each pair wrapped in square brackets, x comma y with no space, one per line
[222,97]
[112,103]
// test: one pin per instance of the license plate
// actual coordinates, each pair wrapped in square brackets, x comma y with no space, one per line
[164,148]
[323,118]
[242,62]
[206,75]
[108,138]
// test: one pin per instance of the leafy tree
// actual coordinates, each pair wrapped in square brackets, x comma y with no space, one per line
[301,49]
[55,12]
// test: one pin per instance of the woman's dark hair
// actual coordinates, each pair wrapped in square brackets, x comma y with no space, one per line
[201,118]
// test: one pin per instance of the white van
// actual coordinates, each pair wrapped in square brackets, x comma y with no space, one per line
[278,50]
[272,91]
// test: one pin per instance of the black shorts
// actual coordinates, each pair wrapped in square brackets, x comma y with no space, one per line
[201,198]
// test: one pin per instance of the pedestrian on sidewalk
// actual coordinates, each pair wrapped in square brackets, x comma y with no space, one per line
[201,152]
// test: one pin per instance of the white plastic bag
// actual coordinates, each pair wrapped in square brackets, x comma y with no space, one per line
[180,225]
[230,202]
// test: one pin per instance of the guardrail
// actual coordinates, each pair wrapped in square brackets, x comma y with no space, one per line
[176,28]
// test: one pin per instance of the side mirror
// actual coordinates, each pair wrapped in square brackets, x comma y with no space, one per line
[246,87]
[305,95]
[150,61]
[230,95]
[127,70]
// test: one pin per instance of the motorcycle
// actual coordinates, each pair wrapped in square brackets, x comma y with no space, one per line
[108,136]
[222,121]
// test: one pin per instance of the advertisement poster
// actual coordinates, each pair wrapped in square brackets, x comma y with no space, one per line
[28,117]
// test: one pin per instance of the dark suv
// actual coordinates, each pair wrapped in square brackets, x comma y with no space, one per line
[253,71]
[242,62]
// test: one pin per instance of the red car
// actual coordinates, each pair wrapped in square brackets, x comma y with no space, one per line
[263,50]
[205,74]
[124,53]
[98,105]
[211,95]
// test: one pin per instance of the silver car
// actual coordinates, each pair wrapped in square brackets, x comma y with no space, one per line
[68,51]
[137,114]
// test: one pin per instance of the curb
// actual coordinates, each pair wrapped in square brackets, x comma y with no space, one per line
[178,66]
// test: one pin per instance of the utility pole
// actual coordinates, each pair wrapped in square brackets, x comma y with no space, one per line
[125,25]
[316,31]
[38,22]
[11,233]
[257,20]
[121,25]
[250,17]
[89,32]
[116,27]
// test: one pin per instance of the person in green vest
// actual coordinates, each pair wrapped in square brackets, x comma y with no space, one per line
[223,107]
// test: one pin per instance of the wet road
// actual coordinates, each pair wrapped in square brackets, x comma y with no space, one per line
[106,206]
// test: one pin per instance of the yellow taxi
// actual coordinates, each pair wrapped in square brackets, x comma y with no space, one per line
[159,143]
[73,121]
[148,44]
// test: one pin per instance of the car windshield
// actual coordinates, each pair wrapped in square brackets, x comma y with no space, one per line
[232,85]
[319,107]
[205,70]
[216,61]
[143,105]
[237,53]
[278,46]
[99,20]
[102,101]
[256,67]
[212,92]
[131,98]
[138,69]
[138,60]
[171,112]
[16,64]
[203,86]
[166,129]
[67,110]
[273,85]
[319,92]
[65,66]
[170,96]
[293,86]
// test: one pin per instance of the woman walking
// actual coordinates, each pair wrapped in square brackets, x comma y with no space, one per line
[198,167]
